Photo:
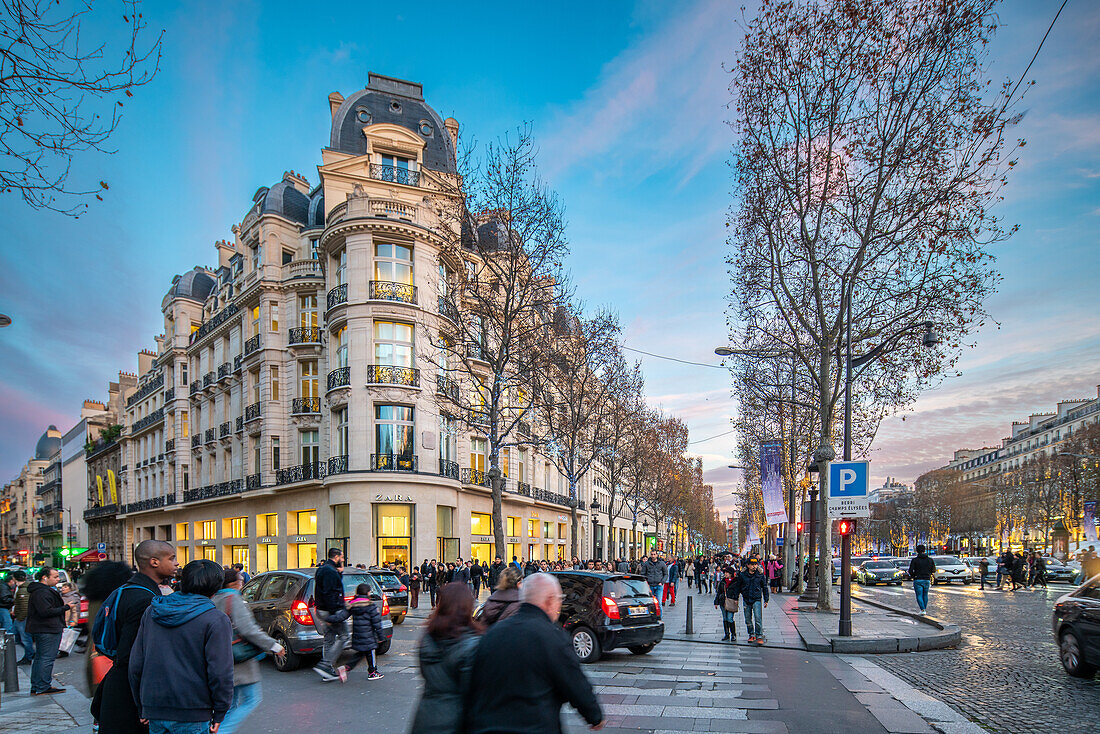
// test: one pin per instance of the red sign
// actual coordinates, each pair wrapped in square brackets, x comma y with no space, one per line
[103,556]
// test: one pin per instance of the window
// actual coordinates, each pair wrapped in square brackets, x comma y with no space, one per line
[274,317]
[308,383]
[393,430]
[448,439]
[342,432]
[182,531]
[275,465]
[481,524]
[256,456]
[342,267]
[393,344]
[399,165]
[288,257]
[505,460]
[341,521]
[307,310]
[205,530]
[444,281]
[254,380]
[513,526]
[532,528]
[521,466]
[477,454]
[393,263]
[274,382]
[183,373]
[547,529]
[311,449]
[185,424]
[186,479]
[255,321]
[305,522]
[562,535]
[302,555]
[314,247]
[267,524]
[236,527]
[341,338]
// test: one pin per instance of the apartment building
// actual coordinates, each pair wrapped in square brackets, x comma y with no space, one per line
[21,502]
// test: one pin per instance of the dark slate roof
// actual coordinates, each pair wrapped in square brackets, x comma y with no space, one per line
[286,200]
[388,100]
[195,285]
[48,445]
[317,208]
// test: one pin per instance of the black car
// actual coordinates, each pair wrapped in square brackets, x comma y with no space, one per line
[603,611]
[397,594]
[283,605]
[1076,626]
[878,572]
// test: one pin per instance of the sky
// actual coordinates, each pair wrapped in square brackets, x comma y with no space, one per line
[628,104]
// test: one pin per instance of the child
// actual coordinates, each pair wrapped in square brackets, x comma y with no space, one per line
[366,630]
[71,596]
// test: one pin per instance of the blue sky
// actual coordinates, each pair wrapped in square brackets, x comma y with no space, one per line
[628,104]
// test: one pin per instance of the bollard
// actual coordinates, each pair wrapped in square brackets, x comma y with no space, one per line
[11,672]
[690,630]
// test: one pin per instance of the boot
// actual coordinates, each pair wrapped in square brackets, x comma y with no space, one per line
[733,631]
[726,629]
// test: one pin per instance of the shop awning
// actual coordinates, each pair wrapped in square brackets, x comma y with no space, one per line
[89,555]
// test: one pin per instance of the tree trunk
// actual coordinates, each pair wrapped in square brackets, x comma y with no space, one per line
[823,455]
[497,481]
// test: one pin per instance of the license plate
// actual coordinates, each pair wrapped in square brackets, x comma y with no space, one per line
[638,611]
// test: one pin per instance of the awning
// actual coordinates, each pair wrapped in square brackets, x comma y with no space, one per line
[89,555]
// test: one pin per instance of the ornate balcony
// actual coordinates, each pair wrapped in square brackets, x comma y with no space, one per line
[301,473]
[239,426]
[208,380]
[475,477]
[308,335]
[222,489]
[150,503]
[154,384]
[523,488]
[105,511]
[447,310]
[394,174]
[154,418]
[339,377]
[196,386]
[476,351]
[386,290]
[392,462]
[252,345]
[385,374]
[477,417]
[169,445]
[224,430]
[337,296]
[448,469]
[390,209]
[446,386]
[169,395]
[252,481]
[217,320]
[301,406]
[237,363]
[208,436]
[224,370]
[251,412]
[304,269]
[525,429]
[196,441]
[338,464]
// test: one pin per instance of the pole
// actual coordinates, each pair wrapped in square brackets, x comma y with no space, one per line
[810,594]
[11,673]
[846,540]
[690,628]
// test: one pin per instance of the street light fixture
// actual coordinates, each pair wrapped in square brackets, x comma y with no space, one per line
[5,320]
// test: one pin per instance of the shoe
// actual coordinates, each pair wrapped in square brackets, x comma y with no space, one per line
[326,674]
[24,661]
[342,672]
[752,638]
[49,691]
[375,676]
[759,640]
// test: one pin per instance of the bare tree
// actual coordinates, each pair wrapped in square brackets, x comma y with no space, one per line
[642,466]
[866,164]
[625,406]
[60,95]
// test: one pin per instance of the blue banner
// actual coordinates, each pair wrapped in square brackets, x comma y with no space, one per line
[771,482]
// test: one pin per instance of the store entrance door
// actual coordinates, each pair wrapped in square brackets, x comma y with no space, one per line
[394,550]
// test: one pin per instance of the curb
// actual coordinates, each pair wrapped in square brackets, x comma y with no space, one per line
[948,635]
[754,646]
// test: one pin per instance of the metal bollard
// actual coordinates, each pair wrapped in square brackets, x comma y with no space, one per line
[690,629]
[11,672]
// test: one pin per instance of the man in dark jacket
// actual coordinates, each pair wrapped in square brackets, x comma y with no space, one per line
[330,617]
[655,571]
[45,621]
[181,664]
[113,704]
[754,592]
[7,601]
[494,573]
[525,669]
[475,577]
[622,566]
[921,570]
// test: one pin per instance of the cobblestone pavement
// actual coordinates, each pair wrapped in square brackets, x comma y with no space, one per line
[1005,675]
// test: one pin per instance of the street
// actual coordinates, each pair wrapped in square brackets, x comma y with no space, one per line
[1005,675]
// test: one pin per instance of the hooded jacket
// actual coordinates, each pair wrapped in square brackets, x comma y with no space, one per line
[445,666]
[501,604]
[181,665]
[46,610]
[366,625]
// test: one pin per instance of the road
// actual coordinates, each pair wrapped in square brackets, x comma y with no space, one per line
[1005,675]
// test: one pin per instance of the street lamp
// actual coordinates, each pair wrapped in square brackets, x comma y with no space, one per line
[810,592]
[595,506]
[5,320]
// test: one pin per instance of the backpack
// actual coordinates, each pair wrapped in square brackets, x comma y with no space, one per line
[105,627]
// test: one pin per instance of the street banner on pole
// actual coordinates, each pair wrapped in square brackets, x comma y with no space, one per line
[848,490]
[1089,521]
[771,482]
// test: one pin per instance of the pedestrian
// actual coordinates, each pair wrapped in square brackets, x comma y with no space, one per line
[247,692]
[689,574]
[475,577]
[983,569]
[921,570]
[45,623]
[181,664]
[655,571]
[446,653]
[19,615]
[114,705]
[431,577]
[726,600]
[99,582]
[774,570]
[525,669]
[245,578]
[414,588]
[673,577]
[493,576]
[504,601]
[7,601]
[366,631]
[754,592]
[1040,571]
[331,614]
[622,566]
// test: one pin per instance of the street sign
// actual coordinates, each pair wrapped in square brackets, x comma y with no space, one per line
[779,541]
[848,489]
[103,556]
[101,547]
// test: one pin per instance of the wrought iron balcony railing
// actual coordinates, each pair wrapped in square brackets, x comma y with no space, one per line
[224,370]
[300,406]
[221,489]
[448,468]
[239,426]
[154,384]
[224,430]
[196,386]
[475,351]
[338,464]
[252,481]
[169,445]
[474,476]
[208,380]
[150,503]
[338,295]
[237,363]
[105,511]
[196,441]
[169,395]
[304,335]
[525,429]
[385,374]
[252,345]
[208,436]
[393,462]
[446,386]
[251,412]
[301,472]
[217,320]
[385,290]
[394,174]
[157,416]
[339,377]
[447,310]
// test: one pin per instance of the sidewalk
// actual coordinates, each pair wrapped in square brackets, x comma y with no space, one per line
[876,628]
[64,712]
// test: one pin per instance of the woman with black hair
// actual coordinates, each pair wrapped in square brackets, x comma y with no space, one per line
[446,653]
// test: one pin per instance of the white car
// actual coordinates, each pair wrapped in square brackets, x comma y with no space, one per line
[950,568]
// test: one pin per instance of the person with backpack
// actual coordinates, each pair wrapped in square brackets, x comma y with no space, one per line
[103,578]
[19,616]
[115,629]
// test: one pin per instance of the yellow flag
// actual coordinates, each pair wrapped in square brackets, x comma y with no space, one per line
[114,487]
[99,486]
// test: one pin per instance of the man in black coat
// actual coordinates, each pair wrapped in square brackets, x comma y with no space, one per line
[525,669]
[45,621]
[494,573]
[330,616]
[113,704]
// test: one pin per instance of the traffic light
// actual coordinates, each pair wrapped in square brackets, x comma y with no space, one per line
[846,527]
[799,528]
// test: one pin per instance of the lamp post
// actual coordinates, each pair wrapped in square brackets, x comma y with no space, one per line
[595,506]
[810,593]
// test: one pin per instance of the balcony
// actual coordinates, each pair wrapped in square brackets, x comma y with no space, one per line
[523,488]
[251,412]
[208,380]
[217,320]
[251,346]
[525,429]
[196,386]
[305,406]
[448,469]
[252,481]
[105,511]
[208,436]
[196,441]
[387,290]
[150,503]
[222,489]
[225,369]
[237,363]
[477,417]
[304,335]
[169,395]
[169,445]
[339,377]
[143,392]
[239,426]
[385,374]
[447,310]
[446,387]
[297,269]
[394,174]
[390,209]
[476,351]
[338,464]
[301,473]
[475,477]
[392,462]
[154,418]
[224,430]
[337,296]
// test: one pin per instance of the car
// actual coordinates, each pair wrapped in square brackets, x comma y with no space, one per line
[878,572]
[396,593]
[836,570]
[1076,627]
[1059,572]
[902,564]
[950,568]
[282,603]
[604,611]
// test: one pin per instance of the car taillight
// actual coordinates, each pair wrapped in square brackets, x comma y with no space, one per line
[656,607]
[300,611]
[610,608]
[385,605]
[84,604]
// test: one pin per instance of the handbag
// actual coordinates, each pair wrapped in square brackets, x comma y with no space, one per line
[730,605]
[68,639]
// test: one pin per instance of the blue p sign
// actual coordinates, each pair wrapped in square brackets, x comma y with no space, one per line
[848,479]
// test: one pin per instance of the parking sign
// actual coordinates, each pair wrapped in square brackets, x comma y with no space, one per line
[848,489]
[101,547]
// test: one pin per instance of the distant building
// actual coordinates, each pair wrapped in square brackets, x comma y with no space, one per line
[20,502]
[889,492]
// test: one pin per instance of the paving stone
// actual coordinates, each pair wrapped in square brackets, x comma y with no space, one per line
[901,721]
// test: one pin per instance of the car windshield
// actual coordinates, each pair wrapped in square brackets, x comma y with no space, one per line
[352,581]
[626,588]
[946,561]
[879,565]
[389,581]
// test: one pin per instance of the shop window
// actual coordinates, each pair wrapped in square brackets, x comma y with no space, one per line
[301,555]
[209,553]
[267,524]
[514,550]
[303,523]
[341,521]
[547,529]
[481,524]
[235,527]
[562,535]
[183,554]
[183,531]
[393,530]
[239,554]
[532,528]
[206,530]
[447,545]
[267,557]
[513,526]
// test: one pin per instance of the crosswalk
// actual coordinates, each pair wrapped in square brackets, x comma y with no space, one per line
[968,591]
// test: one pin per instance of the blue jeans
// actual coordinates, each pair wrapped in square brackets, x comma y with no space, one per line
[656,589]
[45,645]
[163,726]
[6,622]
[245,699]
[920,588]
[754,613]
[24,638]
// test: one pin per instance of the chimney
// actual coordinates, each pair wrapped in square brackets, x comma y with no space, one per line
[452,129]
[334,101]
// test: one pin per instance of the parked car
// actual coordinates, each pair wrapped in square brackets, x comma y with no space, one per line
[1076,626]
[397,594]
[604,611]
[1059,572]
[878,572]
[950,568]
[282,603]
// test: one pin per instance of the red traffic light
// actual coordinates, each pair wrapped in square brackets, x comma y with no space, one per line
[846,527]
[800,527]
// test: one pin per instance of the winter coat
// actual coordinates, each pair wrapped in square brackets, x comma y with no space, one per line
[366,625]
[623,567]
[475,572]
[724,591]
[7,596]
[501,604]
[494,574]
[46,610]
[232,604]
[754,586]
[655,572]
[22,602]
[445,666]
[462,575]
[329,583]
[673,573]
[181,665]
[414,581]
[689,571]
[922,567]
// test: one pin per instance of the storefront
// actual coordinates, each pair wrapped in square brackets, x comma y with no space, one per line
[393,532]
